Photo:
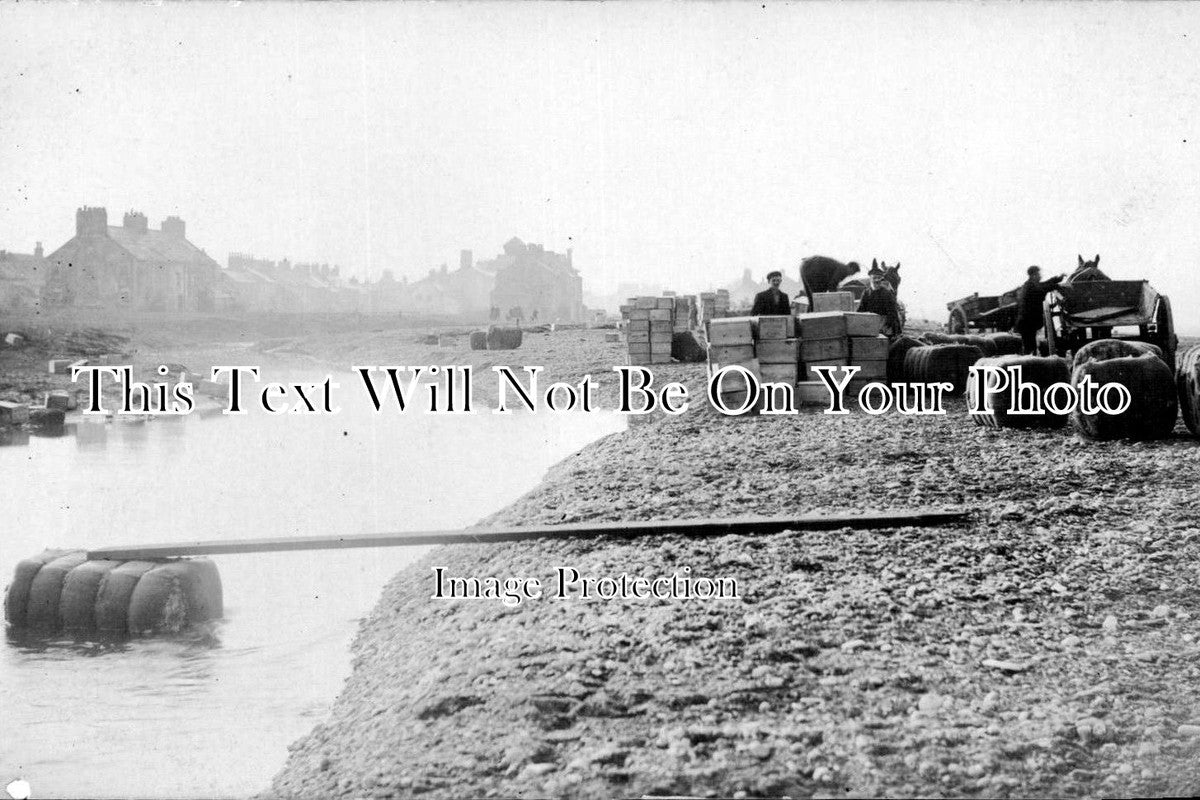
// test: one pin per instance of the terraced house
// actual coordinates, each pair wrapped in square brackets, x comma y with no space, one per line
[133,266]
[21,278]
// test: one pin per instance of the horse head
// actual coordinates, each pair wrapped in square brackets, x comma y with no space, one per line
[1087,271]
[889,275]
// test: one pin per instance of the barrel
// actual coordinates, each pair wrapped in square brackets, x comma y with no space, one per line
[502,338]
[1005,344]
[896,353]
[942,363]
[1041,372]
[1187,384]
[1153,406]
[1105,349]
[61,590]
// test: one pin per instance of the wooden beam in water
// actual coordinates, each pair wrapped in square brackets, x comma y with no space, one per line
[681,527]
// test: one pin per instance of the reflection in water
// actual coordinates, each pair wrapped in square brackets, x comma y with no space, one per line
[91,435]
[13,437]
[119,717]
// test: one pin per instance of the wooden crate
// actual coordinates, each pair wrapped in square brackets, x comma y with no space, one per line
[778,351]
[733,330]
[822,325]
[824,349]
[730,353]
[862,323]
[833,301]
[776,327]
[779,373]
[868,348]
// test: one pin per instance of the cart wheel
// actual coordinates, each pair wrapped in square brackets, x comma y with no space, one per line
[1165,321]
[958,321]
[1048,324]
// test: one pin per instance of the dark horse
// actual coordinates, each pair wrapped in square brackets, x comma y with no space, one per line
[823,274]
[1087,271]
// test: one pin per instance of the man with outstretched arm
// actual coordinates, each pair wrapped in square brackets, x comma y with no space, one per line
[1029,307]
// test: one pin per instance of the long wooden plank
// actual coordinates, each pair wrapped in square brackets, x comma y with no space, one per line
[682,527]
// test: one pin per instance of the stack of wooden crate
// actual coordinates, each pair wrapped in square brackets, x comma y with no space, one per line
[649,324]
[786,349]
[839,339]
[684,316]
[714,305]
[731,340]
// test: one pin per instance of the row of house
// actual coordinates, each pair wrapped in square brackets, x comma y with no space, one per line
[135,266]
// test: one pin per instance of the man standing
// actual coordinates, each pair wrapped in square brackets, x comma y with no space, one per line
[772,302]
[1029,307]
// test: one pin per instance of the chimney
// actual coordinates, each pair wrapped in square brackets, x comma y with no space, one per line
[91,221]
[174,226]
[465,259]
[37,251]
[136,222]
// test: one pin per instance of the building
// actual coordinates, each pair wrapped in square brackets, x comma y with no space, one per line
[131,266]
[465,292]
[536,280]
[262,285]
[22,276]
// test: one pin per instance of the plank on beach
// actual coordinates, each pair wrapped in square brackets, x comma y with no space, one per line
[681,527]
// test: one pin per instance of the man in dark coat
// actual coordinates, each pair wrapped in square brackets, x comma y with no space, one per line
[772,302]
[879,298]
[1029,307]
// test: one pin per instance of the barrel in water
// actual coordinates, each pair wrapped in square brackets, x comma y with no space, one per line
[62,590]
[500,338]
[1035,370]
[948,363]
[1187,382]
[1153,407]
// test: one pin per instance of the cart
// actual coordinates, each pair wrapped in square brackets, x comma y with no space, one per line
[1077,313]
[983,312]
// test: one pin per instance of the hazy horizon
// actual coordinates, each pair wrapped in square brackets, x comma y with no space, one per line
[664,143]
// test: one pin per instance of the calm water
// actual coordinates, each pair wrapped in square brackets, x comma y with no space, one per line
[212,717]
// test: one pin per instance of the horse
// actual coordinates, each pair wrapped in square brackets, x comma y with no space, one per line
[889,275]
[1087,271]
[883,300]
[823,274]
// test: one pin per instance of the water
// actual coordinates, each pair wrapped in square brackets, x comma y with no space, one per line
[212,716]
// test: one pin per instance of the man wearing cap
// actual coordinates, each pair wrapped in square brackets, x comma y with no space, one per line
[772,302]
[1029,307]
[880,299]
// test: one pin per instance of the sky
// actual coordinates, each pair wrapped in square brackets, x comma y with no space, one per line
[670,143]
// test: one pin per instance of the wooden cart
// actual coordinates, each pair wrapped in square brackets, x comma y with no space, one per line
[983,312]
[1077,313]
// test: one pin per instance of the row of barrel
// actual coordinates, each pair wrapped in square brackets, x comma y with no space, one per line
[1158,393]
[61,590]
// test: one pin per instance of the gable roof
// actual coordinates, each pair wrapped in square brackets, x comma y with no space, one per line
[158,246]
